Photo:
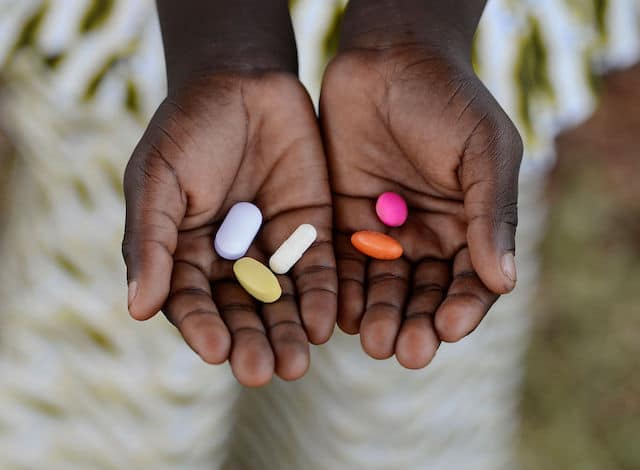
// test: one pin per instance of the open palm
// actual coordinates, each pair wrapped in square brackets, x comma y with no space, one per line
[217,141]
[413,121]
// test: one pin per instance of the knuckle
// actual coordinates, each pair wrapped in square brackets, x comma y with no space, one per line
[190,291]
[150,165]
[386,278]
[508,213]
[497,138]
[130,172]
[509,147]
[515,142]
[128,245]
[124,249]
[157,166]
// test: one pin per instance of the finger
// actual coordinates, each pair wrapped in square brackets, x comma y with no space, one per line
[298,191]
[191,309]
[286,334]
[317,285]
[387,288]
[418,341]
[315,273]
[350,215]
[351,265]
[155,208]
[251,358]
[467,302]
[489,178]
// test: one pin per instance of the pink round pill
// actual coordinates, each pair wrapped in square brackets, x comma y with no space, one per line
[391,209]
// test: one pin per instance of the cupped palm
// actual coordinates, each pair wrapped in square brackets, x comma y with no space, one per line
[219,140]
[420,123]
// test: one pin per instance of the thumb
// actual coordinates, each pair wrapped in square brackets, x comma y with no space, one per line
[489,178]
[155,208]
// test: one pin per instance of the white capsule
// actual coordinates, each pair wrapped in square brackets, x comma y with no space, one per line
[237,231]
[292,249]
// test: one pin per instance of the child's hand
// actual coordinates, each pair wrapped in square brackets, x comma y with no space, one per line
[414,119]
[213,142]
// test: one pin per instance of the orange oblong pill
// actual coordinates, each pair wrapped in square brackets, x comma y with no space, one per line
[376,245]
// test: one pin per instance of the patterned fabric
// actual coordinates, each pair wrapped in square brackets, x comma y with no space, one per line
[83,386]
[539,57]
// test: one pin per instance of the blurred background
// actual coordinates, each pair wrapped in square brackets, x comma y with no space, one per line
[79,80]
[581,396]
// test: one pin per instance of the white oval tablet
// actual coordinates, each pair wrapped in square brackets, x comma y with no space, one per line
[292,249]
[237,231]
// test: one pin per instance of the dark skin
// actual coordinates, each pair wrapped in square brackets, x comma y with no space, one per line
[401,110]
[231,129]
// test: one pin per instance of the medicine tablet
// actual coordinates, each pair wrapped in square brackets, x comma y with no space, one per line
[392,209]
[237,231]
[377,245]
[257,280]
[290,252]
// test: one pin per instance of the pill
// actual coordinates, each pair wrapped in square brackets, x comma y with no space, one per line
[292,249]
[237,231]
[391,209]
[377,245]
[257,280]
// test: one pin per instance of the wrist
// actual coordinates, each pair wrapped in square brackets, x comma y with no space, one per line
[442,24]
[202,37]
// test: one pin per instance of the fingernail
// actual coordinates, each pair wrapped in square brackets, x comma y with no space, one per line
[509,267]
[133,291]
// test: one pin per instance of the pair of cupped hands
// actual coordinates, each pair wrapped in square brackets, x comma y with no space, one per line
[411,118]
